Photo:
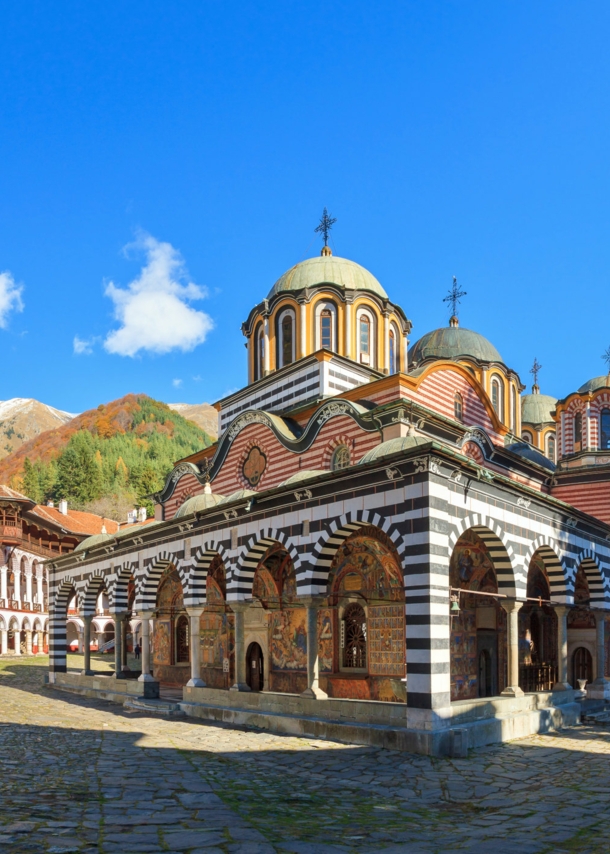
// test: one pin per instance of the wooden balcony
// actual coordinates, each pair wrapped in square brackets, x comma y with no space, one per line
[11,534]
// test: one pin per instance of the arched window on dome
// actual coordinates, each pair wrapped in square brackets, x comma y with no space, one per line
[577,432]
[285,338]
[497,398]
[365,330]
[458,406]
[326,326]
[604,429]
[394,349]
[341,458]
[527,437]
[550,447]
[259,352]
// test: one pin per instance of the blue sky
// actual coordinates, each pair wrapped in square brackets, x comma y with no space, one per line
[466,138]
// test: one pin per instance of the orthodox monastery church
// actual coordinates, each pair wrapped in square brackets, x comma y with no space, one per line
[388,544]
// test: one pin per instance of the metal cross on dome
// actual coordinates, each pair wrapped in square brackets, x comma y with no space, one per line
[606,358]
[535,369]
[326,224]
[454,296]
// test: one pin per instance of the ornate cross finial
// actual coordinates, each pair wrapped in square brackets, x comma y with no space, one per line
[454,297]
[606,358]
[535,369]
[326,224]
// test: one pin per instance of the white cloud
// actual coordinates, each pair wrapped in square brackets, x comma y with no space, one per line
[83,346]
[10,297]
[153,309]
[176,383]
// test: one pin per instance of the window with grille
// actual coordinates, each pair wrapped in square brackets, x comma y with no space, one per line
[326,329]
[458,406]
[365,339]
[287,339]
[604,430]
[340,458]
[578,432]
[496,397]
[182,639]
[353,637]
[550,448]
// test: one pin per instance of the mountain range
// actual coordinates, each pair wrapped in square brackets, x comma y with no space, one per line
[23,418]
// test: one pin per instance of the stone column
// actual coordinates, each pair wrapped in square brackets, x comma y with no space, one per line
[29,596]
[17,593]
[4,648]
[39,592]
[266,361]
[562,683]
[600,622]
[3,584]
[17,642]
[28,641]
[146,674]
[313,690]
[512,609]
[238,609]
[124,627]
[118,653]
[303,329]
[195,643]
[87,647]
[386,343]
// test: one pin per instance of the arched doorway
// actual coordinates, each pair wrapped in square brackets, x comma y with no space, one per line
[582,664]
[537,632]
[255,667]
[581,625]
[478,627]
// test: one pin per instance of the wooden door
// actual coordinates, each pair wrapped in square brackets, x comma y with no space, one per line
[255,674]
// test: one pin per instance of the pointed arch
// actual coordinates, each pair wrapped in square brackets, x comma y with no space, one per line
[195,592]
[148,582]
[330,540]
[58,612]
[560,581]
[595,577]
[118,585]
[239,585]
[512,579]
[93,587]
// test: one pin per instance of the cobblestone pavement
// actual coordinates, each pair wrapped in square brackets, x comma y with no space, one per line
[83,775]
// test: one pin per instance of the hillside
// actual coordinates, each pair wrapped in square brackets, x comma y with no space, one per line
[203,414]
[107,459]
[22,419]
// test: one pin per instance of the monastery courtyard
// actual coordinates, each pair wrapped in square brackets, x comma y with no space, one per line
[84,775]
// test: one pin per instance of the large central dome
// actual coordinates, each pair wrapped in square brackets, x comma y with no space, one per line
[453,342]
[327,270]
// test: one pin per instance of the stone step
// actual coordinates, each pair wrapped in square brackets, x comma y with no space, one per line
[167,708]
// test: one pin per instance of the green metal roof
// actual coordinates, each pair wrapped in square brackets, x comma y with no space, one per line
[197,503]
[327,269]
[453,342]
[393,446]
[537,408]
[95,540]
[595,383]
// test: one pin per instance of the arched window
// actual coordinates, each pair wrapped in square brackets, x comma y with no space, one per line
[604,430]
[182,639]
[341,458]
[526,436]
[325,326]
[550,447]
[578,432]
[259,352]
[364,338]
[496,396]
[285,335]
[326,329]
[392,352]
[353,637]
[458,406]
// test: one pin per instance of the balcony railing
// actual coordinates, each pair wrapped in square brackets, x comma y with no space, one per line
[537,677]
[10,532]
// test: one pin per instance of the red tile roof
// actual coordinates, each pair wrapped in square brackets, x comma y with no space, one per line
[75,521]
[7,492]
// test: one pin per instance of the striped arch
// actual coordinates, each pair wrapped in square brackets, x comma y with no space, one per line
[58,608]
[195,592]
[562,586]
[326,547]
[511,581]
[117,585]
[95,584]
[595,577]
[148,583]
[242,578]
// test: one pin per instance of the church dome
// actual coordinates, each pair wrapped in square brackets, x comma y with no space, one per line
[198,503]
[595,383]
[453,342]
[327,269]
[304,474]
[393,446]
[90,542]
[537,408]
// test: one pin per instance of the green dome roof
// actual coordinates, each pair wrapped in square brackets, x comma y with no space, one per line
[198,503]
[537,408]
[327,269]
[90,542]
[393,446]
[595,383]
[453,342]
[238,496]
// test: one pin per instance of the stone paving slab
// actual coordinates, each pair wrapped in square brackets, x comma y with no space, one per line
[81,775]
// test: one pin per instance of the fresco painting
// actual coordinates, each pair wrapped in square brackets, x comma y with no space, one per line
[387,632]
[325,641]
[288,639]
[162,642]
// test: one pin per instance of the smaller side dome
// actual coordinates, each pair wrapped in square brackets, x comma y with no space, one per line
[237,496]
[306,474]
[90,542]
[393,446]
[198,503]
[537,408]
[453,342]
[595,384]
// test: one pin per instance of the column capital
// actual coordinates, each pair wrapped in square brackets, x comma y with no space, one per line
[311,601]
[510,605]
[561,609]
[236,607]
[195,612]
[146,615]
[118,615]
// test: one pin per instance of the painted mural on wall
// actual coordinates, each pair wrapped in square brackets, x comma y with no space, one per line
[537,632]
[288,639]
[325,640]
[216,631]
[475,638]
[162,642]
[581,616]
